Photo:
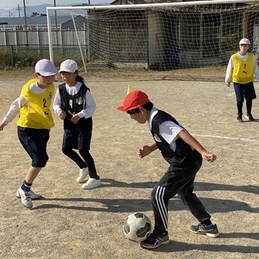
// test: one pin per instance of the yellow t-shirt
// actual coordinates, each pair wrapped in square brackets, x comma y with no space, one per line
[243,71]
[36,113]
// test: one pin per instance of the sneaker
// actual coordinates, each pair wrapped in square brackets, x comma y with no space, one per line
[239,118]
[91,184]
[155,240]
[33,195]
[250,117]
[209,230]
[83,173]
[25,198]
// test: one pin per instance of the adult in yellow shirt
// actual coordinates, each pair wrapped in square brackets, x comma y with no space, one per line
[241,70]
[34,123]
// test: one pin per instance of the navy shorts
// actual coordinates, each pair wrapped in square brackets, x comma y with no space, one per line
[77,139]
[34,141]
[246,91]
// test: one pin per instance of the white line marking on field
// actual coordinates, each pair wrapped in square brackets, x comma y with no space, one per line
[230,138]
[231,94]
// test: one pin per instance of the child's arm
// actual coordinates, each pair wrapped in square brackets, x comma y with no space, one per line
[89,108]
[13,111]
[228,77]
[256,70]
[146,150]
[189,139]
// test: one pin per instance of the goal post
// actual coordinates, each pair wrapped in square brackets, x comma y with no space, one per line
[152,36]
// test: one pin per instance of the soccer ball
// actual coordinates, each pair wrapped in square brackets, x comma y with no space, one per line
[137,227]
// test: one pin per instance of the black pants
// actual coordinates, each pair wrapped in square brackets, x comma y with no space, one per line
[179,180]
[80,140]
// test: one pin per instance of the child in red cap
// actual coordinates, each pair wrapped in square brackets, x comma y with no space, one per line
[184,155]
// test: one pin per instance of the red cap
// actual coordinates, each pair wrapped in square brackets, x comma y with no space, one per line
[133,100]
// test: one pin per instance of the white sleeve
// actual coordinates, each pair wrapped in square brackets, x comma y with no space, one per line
[90,106]
[230,67]
[256,68]
[14,109]
[169,131]
[57,102]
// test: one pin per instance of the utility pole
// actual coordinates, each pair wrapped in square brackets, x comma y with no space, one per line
[19,9]
[56,22]
[25,22]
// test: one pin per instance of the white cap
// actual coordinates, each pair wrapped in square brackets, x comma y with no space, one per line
[45,67]
[69,66]
[244,41]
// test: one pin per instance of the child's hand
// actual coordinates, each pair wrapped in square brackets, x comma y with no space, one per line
[2,125]
[75,118]
[208,156]
[144,151]
[62,115]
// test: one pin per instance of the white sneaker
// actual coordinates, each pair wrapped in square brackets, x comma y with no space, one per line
[83,173]
[25,198]
[91,184]
[33,195]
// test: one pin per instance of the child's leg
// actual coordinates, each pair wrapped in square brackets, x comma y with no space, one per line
[74,156]
[196,207]
[249,107]
[199,212]
[166,188]
[240,99]
[239,108]
[32,174]
[90,163]
[34,142]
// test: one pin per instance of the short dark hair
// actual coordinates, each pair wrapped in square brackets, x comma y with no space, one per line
[134,111]
[148,106]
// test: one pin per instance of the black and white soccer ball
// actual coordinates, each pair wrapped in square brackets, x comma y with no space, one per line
[137,227]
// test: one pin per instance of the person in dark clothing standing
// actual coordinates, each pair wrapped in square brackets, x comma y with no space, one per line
[184,155]
[74,104]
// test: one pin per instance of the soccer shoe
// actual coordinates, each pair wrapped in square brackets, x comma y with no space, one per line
[239,118]
[250,117]
[155,240]
[25,198]
[83,173]
[91,184]
[209,230]
[33,195]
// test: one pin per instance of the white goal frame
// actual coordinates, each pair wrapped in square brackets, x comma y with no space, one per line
[133,6]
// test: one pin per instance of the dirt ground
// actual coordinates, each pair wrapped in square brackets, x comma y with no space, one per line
[74,223]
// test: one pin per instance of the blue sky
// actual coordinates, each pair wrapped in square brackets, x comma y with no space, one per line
[9,4]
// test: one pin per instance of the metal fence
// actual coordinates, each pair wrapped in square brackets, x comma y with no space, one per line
[38,36]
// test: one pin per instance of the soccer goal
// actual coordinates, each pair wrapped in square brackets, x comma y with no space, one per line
[152,36]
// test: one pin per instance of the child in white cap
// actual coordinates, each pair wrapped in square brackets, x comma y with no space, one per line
[241,69]
[34,123]
[74,104]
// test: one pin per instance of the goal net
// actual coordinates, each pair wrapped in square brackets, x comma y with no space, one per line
[152,36]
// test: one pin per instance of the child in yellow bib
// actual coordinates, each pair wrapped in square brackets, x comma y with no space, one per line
[36,113]
[241,70]
[34,123]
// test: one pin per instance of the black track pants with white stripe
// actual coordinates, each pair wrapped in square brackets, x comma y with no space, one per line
[177,180]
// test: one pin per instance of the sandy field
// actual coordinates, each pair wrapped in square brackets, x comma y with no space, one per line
[70,222]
